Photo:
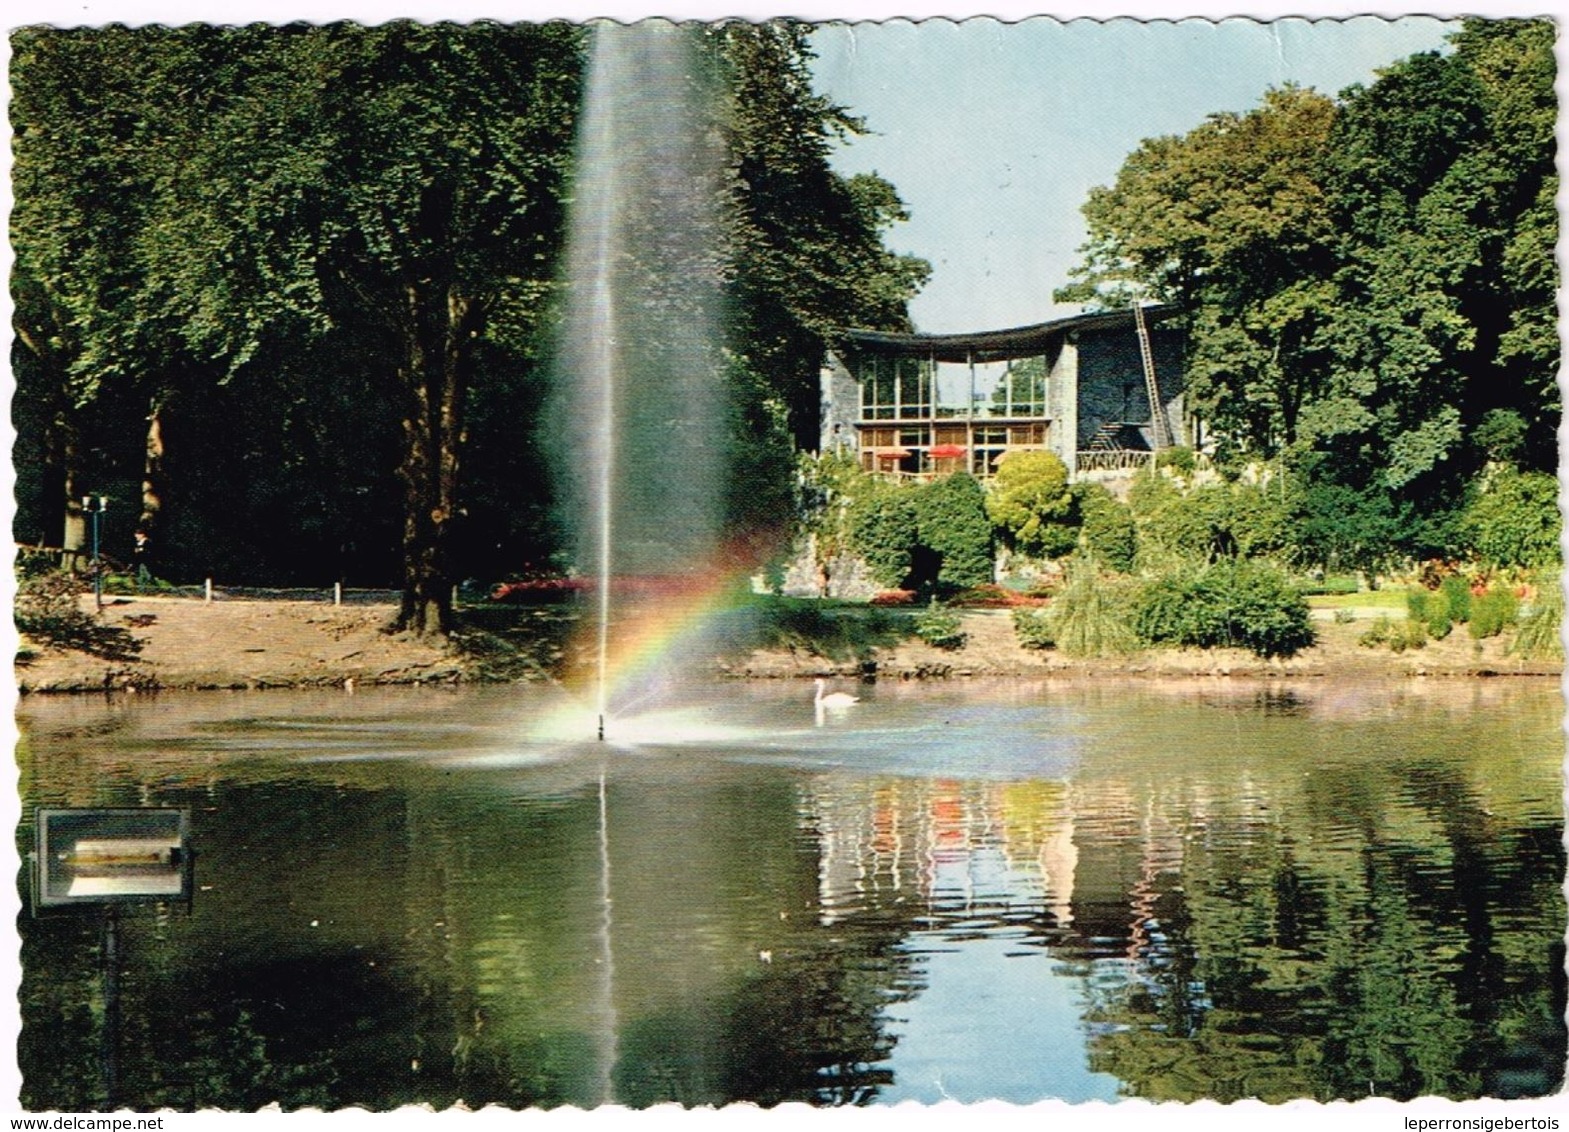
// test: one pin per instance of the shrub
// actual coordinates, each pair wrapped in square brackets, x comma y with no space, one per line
[1180,459]
[1408,635]
[1170,524]
[951,523]
[1107,528]
[893,597]
[1257,518]
[1092,616]
[1396,635]
[1377,633]
[538,589]
[1492,612]
[1542,626]
[1457,597]
[1164,612]
[1236,603]
[1501,434]
[1328,584]
[1430,610]
[939,627]
[47,606]
[1214,520]
[1267,614]
[1031,504]
[48,609]
[1032,627]
[1150,492]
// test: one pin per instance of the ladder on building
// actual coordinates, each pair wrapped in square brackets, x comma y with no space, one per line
[1160,430]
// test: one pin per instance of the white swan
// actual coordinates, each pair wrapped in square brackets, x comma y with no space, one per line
[833,699]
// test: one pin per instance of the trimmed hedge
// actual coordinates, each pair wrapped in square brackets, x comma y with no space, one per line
[1031,504]
[951,522]
[883,532]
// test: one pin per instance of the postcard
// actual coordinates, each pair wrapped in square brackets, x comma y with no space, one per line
[692,562]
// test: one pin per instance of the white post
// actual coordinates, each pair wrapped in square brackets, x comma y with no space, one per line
[337,593]
[208,590]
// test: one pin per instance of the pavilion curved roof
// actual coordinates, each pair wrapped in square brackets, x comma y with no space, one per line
[995,345]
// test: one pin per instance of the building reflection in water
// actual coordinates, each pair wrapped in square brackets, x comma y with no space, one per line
[1281,929]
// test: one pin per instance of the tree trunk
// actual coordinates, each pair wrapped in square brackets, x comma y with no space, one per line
[152,487]
[436,382]
[73,535]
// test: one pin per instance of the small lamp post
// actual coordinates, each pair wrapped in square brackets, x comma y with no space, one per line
[96,505]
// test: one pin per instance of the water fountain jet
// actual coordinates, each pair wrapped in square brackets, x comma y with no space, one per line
[640,389]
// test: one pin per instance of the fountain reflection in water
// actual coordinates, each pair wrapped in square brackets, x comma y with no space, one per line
[640,393]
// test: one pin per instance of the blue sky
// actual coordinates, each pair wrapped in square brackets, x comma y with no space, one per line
[995,132]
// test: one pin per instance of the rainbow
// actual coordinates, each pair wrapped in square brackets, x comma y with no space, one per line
[656,620]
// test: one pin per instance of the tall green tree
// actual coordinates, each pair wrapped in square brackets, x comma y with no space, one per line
[411,202]
[1439,361]
[80,106]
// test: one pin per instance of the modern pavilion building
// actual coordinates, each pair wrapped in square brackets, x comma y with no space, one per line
[1103,391]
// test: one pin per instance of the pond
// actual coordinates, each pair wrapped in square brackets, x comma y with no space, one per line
[1170,890]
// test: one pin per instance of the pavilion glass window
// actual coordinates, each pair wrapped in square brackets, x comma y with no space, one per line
[915,389]
[1021,390]
[895,389]
[879,390]
[991,441]
[952,384]
[1027,385]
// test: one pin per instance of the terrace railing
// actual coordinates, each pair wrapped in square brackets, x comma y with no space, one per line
[1114,459]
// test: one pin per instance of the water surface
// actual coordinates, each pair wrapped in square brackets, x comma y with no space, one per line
[1022,891]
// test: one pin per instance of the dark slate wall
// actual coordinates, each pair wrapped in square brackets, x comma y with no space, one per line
[1111,379]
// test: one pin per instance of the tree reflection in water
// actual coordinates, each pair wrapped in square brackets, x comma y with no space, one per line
[1291,964]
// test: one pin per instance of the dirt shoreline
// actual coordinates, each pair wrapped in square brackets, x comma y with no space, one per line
[185,644]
